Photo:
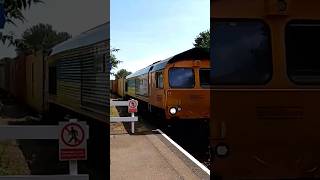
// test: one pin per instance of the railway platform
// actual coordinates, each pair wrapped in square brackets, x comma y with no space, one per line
[148,154]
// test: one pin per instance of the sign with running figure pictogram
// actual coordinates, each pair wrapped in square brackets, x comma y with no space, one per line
[73,141]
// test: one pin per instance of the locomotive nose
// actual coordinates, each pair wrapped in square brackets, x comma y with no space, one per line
[188,104]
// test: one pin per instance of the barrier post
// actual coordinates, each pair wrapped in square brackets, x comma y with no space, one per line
[73,167]
[73,164]
[132,124]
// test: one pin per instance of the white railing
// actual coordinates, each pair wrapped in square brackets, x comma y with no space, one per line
[12,132]
[131,119]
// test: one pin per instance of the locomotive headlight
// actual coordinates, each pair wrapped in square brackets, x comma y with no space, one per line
[222,150]
[173,110]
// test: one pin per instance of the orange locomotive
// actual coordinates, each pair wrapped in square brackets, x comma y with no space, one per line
[266,89]
[176,88]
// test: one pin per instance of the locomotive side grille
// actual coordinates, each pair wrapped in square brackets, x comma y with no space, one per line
[69,79]
[82,76]
[94,87]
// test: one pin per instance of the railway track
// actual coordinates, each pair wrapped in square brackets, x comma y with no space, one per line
[193,137]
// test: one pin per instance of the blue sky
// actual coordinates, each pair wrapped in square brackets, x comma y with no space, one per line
[146,31]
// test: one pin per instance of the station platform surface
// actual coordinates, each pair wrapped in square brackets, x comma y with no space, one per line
[148,155]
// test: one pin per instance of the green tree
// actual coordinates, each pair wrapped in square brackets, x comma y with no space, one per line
[13,12]
[113,59]
[202,40]
[122,73]
[40,37]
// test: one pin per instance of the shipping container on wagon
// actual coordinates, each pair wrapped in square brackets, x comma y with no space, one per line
[120,85]
[34,81]
[79,72]
[17,80]
[4,74]
[114,86]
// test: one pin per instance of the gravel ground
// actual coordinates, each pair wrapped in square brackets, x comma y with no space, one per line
[12,160]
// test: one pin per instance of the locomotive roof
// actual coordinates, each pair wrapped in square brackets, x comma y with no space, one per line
[140,72]
[191,54]
[92,36]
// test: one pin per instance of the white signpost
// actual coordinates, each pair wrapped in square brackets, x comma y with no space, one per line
[73,137]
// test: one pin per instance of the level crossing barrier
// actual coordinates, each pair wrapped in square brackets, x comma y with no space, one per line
[132,108]
[40,132]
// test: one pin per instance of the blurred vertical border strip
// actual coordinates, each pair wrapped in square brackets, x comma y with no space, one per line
[2,14]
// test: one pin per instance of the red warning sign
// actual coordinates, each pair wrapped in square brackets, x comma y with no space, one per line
[72,141]
[72,135]
[72,154]
[132,106]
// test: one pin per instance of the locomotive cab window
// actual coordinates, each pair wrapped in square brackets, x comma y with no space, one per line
[204,77]
[159,80]
[181,78]
[242,52]
[302,52]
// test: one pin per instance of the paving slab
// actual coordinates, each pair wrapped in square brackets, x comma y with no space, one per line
[146,157]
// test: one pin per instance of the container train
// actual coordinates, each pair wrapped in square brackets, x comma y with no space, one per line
[72,77]
[176,88]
